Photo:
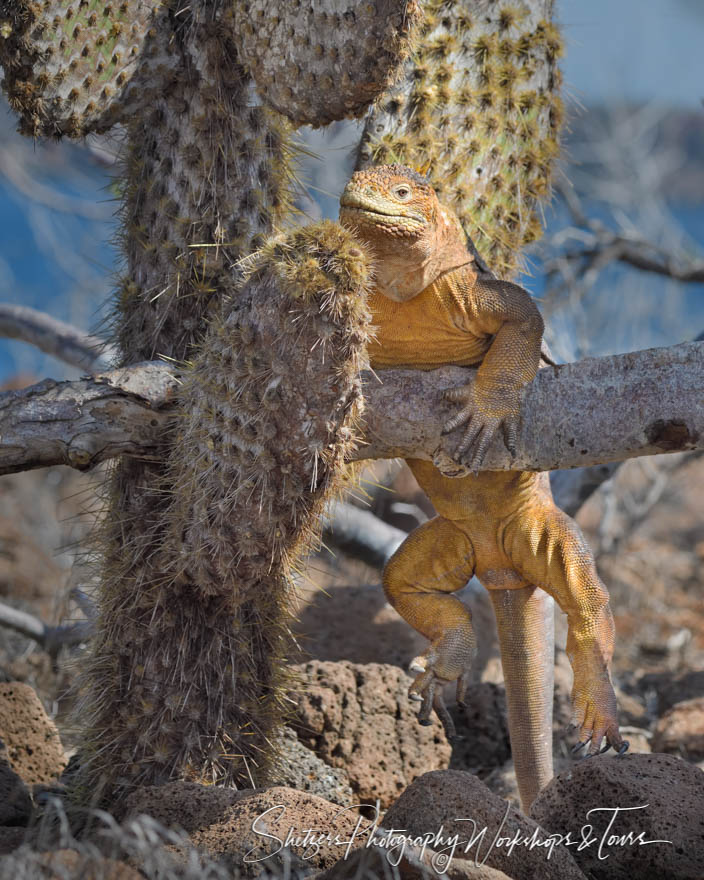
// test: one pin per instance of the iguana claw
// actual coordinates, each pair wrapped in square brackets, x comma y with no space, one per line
[427,689]
[577,747]
[481,427]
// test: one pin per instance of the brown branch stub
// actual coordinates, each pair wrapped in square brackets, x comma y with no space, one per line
[81,423]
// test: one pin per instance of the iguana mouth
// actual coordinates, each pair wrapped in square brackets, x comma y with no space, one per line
[369,222]
[374,215]
[376,211]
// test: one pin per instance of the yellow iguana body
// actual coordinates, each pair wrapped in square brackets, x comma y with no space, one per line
[433,306]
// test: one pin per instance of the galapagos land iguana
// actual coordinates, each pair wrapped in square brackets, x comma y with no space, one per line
[433,304]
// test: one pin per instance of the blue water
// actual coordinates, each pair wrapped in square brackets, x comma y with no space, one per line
[54,261]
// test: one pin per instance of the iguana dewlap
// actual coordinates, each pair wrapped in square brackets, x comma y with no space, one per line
[431,307]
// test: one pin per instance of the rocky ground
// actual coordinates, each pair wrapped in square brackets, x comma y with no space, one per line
[353,737]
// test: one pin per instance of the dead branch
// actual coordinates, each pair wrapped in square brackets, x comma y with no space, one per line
[85,603]
[600,245]
[81,423]
[14,169]
[50,638]
[590,412]
[61,340]
[623,509]
[361,534]
[571,488]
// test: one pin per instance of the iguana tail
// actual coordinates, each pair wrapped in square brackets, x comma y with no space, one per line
[526,624]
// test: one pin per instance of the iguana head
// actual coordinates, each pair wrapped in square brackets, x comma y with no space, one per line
[391,201]
[413,238]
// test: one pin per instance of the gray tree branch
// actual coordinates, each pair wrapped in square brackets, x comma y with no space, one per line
[81,423]
[61,340]
[361,534]
[591,412]
[51,638]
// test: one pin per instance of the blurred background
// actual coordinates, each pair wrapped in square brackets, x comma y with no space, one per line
[620,268]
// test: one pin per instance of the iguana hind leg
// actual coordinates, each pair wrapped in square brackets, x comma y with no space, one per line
[526,625]
[435,560]
[548,549]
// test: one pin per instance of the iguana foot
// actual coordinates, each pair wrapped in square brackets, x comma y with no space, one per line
[483,421]
[596,718]
[428,685]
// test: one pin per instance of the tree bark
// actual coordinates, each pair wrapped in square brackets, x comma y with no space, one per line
[81,423]
[588,413]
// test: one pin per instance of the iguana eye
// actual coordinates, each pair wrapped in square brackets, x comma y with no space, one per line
[402,192]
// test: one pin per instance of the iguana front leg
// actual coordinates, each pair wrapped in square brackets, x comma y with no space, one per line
[493,400]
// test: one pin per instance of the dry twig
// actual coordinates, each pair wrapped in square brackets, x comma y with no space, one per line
[57,338]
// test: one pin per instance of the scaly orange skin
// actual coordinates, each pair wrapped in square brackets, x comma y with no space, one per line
[431,306]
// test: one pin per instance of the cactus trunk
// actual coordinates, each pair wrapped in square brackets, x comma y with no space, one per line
[207,177]
[184,676]
[187,672]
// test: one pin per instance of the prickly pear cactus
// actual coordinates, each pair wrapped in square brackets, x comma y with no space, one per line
[208,176]
[479,108]
[74,66]
[184,675]
[200,682]
[324,61]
